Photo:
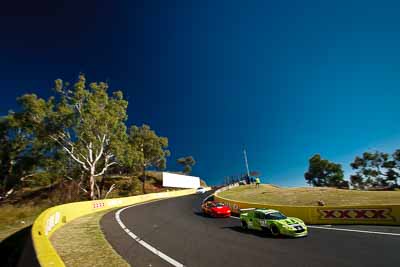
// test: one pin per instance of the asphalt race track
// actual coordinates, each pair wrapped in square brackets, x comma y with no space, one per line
[177,228]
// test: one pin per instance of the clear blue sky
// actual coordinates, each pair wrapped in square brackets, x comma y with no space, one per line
[287,79]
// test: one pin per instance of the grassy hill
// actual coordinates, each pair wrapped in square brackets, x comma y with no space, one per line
[28,202]
[309,196]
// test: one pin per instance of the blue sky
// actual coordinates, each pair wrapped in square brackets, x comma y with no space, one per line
[286,79]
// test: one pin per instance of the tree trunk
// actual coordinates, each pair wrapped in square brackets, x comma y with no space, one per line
[3,189]
[101,185]
[144,179]
[92,181]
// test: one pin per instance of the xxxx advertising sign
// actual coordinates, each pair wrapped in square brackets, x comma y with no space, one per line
[368,214]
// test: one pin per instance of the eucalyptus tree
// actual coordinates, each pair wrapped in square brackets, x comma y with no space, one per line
[151,147]
[89,125]
[82,124]
[80,130]
[394,167]
[187,163]
[372,169]
[21,151]
[322,172]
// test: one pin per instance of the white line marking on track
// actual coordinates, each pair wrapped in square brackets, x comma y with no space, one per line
[352,230]
[143,243]
[329,227]
[345,230]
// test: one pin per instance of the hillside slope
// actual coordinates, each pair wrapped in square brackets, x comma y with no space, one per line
[309,196]
[28,202]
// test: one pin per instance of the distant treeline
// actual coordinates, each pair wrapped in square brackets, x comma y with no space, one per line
[372,170]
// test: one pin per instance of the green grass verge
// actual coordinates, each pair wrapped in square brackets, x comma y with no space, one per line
[14,218]
[309,196]
[82,243]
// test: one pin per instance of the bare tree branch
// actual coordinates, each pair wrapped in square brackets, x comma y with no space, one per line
[105,169]
[26,176]
[90,161]
[9,192]
[79,184]
[109,190]
[98,191]
[90,148]
[70,152]
[101,150]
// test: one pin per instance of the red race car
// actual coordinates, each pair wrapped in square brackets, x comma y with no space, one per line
[216,209]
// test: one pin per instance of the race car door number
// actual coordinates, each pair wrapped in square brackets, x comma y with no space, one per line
[263,222]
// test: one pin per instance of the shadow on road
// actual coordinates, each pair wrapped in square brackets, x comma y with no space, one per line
[260,234]
[17,249]
[201,214]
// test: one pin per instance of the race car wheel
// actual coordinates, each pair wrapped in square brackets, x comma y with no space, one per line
[275,230]
[244,225]
[205,213]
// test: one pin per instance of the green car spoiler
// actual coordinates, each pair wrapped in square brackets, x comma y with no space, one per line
[245,210]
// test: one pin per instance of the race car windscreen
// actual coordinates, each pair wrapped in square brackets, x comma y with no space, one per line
[275,216]
[219,204]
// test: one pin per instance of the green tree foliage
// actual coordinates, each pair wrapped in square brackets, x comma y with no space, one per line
[152,149]
[88,124]
[22,152]
[79,133]
[81,128]
[375,169]
[394,170]
[322,172]
[187,163]
[11,157]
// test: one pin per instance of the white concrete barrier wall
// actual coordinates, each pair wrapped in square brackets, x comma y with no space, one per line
[180,181]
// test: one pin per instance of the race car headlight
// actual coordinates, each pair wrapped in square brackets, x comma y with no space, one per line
[302,224]
[290,227]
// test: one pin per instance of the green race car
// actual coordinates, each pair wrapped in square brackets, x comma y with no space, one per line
[272,221]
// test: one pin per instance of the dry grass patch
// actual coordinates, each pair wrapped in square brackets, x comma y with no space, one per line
[82,243]
[309,196]
[14,218]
